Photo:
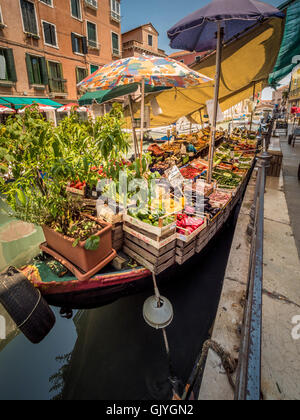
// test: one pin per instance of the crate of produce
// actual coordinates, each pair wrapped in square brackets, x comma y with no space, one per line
[185,251]
[189,226]
[154,259]
[220,198]
[155,222]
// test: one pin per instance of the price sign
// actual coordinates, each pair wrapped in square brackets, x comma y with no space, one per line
[175,178]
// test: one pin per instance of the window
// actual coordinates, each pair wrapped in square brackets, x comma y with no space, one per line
[93,68]
[115,43]
[81,74]
[92,3]
[115,10]
[29,17]
[7,65]
[55,75]
[76,9]
[49,34]
[1,19]
[92,35]
[37,70]
[150,40]
[198,58]
[49,2]
[79,44]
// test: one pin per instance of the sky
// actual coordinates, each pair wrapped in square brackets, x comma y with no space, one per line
[163,14]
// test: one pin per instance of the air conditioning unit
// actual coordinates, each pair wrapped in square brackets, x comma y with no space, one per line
[92,3]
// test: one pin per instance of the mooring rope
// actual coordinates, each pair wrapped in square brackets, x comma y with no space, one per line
[32,312]
[228,362]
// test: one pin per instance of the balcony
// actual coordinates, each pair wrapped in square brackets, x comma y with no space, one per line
[143,48]
[115,16]
[93,4]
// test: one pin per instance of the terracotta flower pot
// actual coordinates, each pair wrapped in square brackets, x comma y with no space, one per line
[82,258]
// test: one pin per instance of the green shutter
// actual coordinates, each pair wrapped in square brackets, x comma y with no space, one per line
[84,45]
[10,63]
[44,73]
[29,69]
[73,39]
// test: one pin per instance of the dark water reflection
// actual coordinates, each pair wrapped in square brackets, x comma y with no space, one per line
[109,352]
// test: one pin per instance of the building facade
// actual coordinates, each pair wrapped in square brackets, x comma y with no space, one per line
[186,57]
[294,97]
[141,41]
[48,46]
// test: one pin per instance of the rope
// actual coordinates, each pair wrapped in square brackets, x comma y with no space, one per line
[228,363]
[32,312]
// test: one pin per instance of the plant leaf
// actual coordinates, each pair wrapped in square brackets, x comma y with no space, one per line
[92,244]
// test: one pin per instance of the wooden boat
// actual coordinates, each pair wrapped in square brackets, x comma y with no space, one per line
[67,292]
[60,288]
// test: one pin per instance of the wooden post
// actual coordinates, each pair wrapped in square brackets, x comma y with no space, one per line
[220,37]
[135,140]
[142,116]
[251,121]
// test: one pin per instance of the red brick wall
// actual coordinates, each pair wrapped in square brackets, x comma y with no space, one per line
[12,36]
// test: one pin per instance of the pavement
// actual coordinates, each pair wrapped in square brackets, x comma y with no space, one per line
[281,292]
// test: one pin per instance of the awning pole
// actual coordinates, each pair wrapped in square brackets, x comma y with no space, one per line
[220,37]
[252,113]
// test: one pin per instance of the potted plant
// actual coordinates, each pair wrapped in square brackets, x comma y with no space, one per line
[37,163]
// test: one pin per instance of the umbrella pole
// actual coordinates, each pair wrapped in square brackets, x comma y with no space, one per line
[135,140]
[251,122]
[142,117]
[220,36]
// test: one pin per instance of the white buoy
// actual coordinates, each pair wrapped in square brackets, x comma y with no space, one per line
[158,313]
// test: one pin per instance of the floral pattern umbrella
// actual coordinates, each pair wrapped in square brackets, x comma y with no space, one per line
[153,71]
[6,110]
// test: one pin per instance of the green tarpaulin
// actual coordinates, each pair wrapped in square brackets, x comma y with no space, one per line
[101,96]
[19,102]
[289,54]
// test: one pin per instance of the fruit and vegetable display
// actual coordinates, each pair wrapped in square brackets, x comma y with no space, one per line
[189,172]
[153,217]
[186,225]
[219,198]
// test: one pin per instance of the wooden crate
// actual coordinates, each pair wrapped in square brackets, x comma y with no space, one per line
[189,238]
[150,238]
[185,251]
[117,236]
[159,231]
[203,238]
[156,260]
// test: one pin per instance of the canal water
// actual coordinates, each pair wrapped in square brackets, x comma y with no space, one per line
[109,352]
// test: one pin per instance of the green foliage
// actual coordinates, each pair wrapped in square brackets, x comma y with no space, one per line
[37,161]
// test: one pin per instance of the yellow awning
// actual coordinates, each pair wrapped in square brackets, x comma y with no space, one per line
[249,59]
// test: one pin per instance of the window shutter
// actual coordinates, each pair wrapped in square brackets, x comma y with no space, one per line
[10,63]
[44,73]
[29,69]
[73,38]
[84,45]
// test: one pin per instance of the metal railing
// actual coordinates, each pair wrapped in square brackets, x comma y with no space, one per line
[248,383]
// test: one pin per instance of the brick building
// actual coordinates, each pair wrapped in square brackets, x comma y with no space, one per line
[48,46]
[187,57]
[141,41]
